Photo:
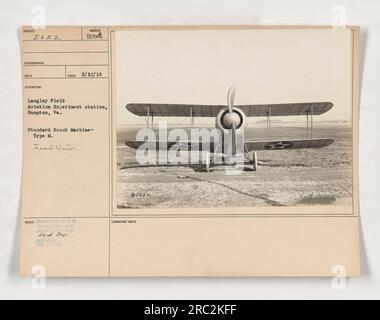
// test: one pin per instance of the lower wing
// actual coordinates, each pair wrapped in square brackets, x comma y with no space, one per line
[287,144]
[249,145]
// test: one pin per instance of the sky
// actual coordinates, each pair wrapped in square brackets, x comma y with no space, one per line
[266,66]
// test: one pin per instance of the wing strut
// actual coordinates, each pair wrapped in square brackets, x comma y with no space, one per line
[191,118]
[309,129]
[311,123]
[147,117]
[269,124]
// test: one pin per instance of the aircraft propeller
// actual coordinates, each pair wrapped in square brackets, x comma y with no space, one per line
[233,118]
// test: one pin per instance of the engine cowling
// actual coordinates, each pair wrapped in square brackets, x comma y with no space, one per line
[225,120]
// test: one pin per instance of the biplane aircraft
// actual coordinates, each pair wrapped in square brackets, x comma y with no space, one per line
[231,120]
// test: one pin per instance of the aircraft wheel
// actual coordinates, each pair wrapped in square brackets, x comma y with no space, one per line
[208,161]
[254,161]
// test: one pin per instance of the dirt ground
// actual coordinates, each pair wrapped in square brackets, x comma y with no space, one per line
[284,178]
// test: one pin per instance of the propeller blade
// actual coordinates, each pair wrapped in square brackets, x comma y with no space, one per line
[234,137]
[231,98]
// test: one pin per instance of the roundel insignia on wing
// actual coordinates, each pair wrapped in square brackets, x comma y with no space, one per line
[281,145]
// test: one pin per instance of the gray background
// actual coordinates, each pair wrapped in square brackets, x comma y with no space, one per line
[144,12]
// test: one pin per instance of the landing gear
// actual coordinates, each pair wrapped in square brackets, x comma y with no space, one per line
[252,158]
[254,161]
[208,161]
[250,165]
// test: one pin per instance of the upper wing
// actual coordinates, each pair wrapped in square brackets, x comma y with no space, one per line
[251,145]
[287,144]
[260,110]
[174,110]
[287,109]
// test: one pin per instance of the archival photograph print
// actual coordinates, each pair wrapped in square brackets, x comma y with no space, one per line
[242,117]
